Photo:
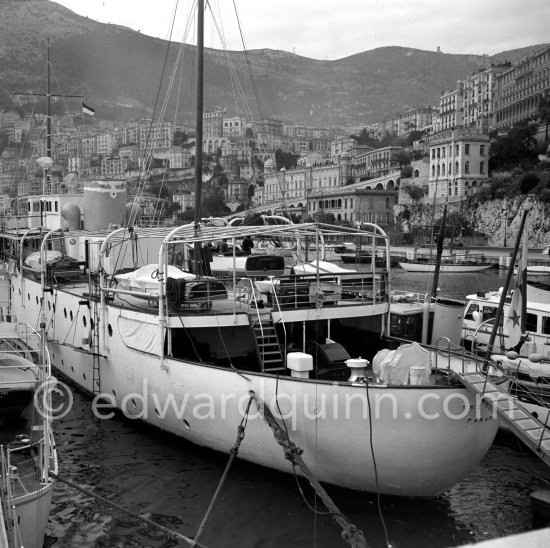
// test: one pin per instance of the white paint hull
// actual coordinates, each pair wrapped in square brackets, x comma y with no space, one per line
[32,512]
[415,456]
[447,268]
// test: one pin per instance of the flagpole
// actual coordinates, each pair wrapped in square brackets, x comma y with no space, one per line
[504,293]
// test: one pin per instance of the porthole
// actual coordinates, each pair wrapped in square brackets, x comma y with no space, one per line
[110,330]
[71,315]
[84,320]
[92,324]
[65,312]
[49,305]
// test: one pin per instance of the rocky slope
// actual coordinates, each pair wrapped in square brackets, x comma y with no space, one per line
[119,71]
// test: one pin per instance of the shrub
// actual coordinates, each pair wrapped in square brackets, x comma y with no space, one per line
[415,192]
[528,182]
[406,172]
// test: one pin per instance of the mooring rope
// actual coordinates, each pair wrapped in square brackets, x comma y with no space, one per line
[233,453]
[350,533]
[169,532]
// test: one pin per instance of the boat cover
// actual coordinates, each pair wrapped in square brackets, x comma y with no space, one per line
[146,278]
[51,257]
[393,366]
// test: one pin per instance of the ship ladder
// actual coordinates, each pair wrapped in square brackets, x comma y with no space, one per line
[94,335]
[267,343]
[525,426]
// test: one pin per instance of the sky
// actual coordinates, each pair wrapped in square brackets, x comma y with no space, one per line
[333,29]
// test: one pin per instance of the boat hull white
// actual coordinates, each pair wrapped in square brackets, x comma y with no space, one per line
[447,268]
[415,455]
[32,511]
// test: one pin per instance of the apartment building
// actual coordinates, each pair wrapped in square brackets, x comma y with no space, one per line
[479,97]
[451,109]
[354,205]
[375,162]
[298,183]
[459,161]
[519,88]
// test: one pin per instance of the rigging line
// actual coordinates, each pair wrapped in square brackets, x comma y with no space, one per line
[234,79]
[378,501]
[167,51]
[248,61]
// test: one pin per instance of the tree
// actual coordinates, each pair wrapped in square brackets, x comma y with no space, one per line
[518,146]
[285,159]
[179,139]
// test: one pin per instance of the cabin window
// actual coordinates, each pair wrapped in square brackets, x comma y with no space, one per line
[470,312]
[531,323]
[545,325]
[489,312]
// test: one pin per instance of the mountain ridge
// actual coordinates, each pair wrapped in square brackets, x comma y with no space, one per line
[112,65]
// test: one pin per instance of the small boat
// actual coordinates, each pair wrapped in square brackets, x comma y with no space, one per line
[538,291]
[481,309]
[446,267]
[536,271]
[27,446]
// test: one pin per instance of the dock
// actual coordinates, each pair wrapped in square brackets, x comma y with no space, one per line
[499,256]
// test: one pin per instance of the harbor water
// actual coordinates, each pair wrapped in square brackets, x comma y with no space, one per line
[172,482]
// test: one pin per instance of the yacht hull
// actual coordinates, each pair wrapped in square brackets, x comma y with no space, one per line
[424,438]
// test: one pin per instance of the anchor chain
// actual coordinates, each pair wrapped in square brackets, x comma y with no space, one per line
[350,533]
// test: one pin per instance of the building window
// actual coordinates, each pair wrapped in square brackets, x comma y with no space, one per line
[467,149]
[443,169]
[433,153]
[457,149]
[482,150]
[456,168]
[466,167]
[482,167]
[433,171]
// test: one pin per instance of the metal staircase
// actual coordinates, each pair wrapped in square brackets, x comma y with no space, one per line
[267,343]
[527,428]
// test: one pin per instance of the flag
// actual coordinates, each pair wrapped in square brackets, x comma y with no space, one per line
[514,325]
[88,110]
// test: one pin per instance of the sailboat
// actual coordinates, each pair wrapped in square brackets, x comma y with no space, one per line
[138,319]
[27,448]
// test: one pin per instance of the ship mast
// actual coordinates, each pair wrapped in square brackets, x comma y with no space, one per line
[198,120]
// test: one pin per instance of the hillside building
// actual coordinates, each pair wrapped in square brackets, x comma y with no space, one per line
[459,161]
[519,89]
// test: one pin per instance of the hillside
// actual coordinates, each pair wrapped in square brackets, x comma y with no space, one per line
[113,66]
